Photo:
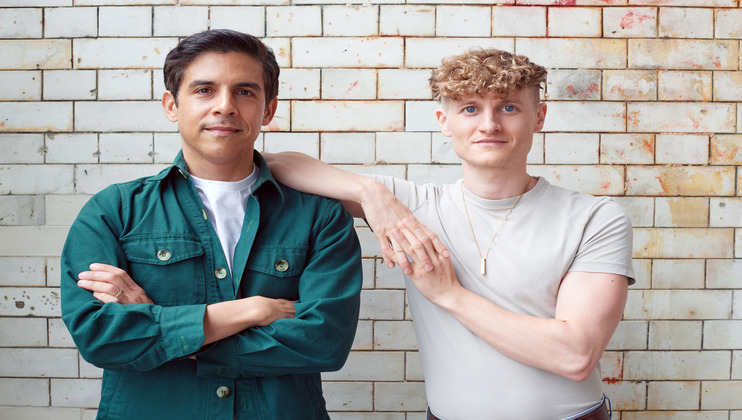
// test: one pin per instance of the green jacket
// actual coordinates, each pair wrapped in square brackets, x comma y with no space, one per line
[261,373]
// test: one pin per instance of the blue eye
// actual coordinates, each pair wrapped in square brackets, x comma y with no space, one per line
[470,109]
[509,108]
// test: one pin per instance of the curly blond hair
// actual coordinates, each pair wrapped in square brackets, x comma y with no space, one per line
[484,72]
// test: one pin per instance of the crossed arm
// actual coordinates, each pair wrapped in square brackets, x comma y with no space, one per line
[221,320]
[249,336]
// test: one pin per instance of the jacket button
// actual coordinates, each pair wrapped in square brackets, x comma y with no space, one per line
[164,255]
[223,392]
[282,265]
[220,273]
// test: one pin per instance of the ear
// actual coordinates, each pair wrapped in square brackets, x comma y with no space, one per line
[169,106]
[541,115]
[443,122]
[270,111]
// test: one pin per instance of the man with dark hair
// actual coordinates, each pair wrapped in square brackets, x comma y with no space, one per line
[211,290]
[518,285]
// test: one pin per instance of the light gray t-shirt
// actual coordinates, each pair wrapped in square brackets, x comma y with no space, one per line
[551,231]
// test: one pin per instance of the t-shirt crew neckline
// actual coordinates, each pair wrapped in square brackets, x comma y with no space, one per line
[505,203]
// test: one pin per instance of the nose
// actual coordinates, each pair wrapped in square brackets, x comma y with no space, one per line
[489,122]
[224,104]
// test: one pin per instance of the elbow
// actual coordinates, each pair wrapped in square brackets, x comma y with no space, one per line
[581,366]
[335,361]
[335,358]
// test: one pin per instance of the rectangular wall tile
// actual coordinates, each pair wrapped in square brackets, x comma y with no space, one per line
[683,243]
[681,54]
[347,116]
[428,52]
[35,116]
[677,365]
[347,52]
[35,54]
[684,117]
[585,116]
[631,85]
[61,363]
[574,52]
[600,180]
[680,180]
[20,85]
[121,52]
[630,22]
[121,116]
[678,304]
[681,212]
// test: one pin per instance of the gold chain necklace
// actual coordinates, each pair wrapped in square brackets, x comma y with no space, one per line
[483,259]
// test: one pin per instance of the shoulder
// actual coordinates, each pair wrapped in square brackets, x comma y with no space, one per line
[303,206]
[412,194]
[113,199]
[582,201]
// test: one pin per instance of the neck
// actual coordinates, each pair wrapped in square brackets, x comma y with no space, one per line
[223,170]
[497,184]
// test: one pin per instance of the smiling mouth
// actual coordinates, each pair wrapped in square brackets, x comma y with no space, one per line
[222,130]
[490,141]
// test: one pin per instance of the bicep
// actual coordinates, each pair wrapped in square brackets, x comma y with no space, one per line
[593,303]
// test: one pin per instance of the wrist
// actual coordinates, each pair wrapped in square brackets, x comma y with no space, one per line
[369,190]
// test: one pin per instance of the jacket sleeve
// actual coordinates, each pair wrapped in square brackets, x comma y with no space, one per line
[111,335]
[320,336]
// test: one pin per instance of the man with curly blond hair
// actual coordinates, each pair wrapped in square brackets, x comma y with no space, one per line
[515,285]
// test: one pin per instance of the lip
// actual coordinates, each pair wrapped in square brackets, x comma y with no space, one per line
[489,141]
[222,130]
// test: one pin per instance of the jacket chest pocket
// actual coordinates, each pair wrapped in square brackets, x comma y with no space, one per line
[274,271]
[168,267]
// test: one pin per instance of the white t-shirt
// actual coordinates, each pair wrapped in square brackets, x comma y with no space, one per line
[551,231]
[225,204]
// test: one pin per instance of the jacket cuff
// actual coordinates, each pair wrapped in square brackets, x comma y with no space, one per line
[219,360]
[182,329]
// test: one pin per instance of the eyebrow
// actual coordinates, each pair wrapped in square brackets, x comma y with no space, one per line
[250,85]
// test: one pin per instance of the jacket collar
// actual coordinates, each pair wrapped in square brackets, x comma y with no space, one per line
[264,174]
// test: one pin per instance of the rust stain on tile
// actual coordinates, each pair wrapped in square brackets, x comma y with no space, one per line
[633,118]
[631,19]
[654,244]
[688,212]
[726,149]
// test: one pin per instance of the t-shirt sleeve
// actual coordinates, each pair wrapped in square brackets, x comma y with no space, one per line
[607,241]
[407,192]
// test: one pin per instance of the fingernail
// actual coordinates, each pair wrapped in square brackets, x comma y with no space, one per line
[428,267]
[390,264]
[407,221]
[407,270]
[446,253]
[396,232]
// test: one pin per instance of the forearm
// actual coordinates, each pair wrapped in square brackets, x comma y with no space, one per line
[224,319]
[306,174]
[553,345]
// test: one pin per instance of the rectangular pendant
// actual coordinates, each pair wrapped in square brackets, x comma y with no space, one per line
[483,266]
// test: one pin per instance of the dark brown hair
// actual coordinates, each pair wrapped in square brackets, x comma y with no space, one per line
[220,41]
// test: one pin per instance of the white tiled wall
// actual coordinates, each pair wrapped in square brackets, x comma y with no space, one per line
[643,105]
